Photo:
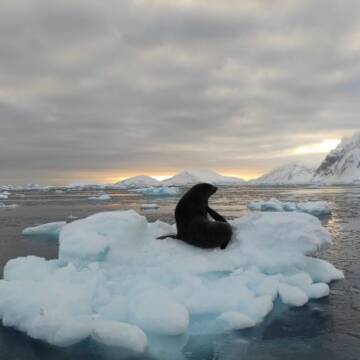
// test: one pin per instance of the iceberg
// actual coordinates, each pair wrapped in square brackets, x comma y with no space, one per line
[102,197]
[159,191]
[115,283]
[8,206]
[49,231]
[317,208]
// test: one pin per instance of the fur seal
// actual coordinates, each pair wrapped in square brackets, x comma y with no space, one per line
[193,224]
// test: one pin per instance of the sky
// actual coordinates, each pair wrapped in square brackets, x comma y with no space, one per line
[102,90]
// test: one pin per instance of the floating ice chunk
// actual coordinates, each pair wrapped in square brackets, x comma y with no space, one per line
[118,334]
[4,196]
[90,239]
[58,329]
[277,241]
[8,206]
[102,197]
[233,320]
[292,295]
[157,313]
[116,309]
[113,279]
[159,191]
[317,208]
[149,206]
[321,270]
[48,231]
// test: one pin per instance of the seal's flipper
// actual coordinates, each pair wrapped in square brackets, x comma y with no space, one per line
[215,215]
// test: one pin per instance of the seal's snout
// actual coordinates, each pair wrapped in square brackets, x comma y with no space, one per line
[214,189]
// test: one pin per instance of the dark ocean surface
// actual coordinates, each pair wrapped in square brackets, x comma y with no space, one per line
[323,329]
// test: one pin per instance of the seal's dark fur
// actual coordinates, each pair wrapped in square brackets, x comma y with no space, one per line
[193,224]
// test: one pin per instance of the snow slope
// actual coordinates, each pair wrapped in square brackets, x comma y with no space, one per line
[138,181]
[115,283]
[190,177]
[291,173]
[341,165]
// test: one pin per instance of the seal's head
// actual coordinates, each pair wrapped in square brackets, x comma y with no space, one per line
[202,191]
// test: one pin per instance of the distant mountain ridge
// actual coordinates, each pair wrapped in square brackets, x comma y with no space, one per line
[341,165]
[184,178]
[188,177]
[138,181]
[291,173]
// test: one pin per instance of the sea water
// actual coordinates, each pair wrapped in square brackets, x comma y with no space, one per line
[324,329]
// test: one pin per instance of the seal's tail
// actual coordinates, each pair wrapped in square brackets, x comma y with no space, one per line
[172,236]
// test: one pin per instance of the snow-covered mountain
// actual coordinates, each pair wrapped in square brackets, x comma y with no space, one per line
[138,181]
[291,173]
[341,165]
[188,177]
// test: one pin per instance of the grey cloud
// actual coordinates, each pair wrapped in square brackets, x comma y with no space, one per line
[131,86]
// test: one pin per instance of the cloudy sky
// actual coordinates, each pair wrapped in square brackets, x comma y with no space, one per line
[105,89]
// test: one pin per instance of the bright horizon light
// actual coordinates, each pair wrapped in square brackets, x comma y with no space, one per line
[318,148]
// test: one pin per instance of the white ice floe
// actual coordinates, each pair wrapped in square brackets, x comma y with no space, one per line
[102,197]
[316,208]
[159,191]
[8,206]
[4,196]
[49,230]
[149,206]
[114,281]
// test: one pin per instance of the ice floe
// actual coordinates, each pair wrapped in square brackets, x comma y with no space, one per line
[317,208]
[115,283]
[8,206]
[159,191]
[102,197]
[49,230]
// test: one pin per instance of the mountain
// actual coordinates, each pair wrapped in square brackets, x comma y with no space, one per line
[341,165]
[138,181]
[291,173]
[189,177]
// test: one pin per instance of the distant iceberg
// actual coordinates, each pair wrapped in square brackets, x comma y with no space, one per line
[159,191]
[317,208]
[115,283]
[8,206]
[102,197]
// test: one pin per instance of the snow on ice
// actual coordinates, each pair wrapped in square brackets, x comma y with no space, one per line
[317,208]
[115,283]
